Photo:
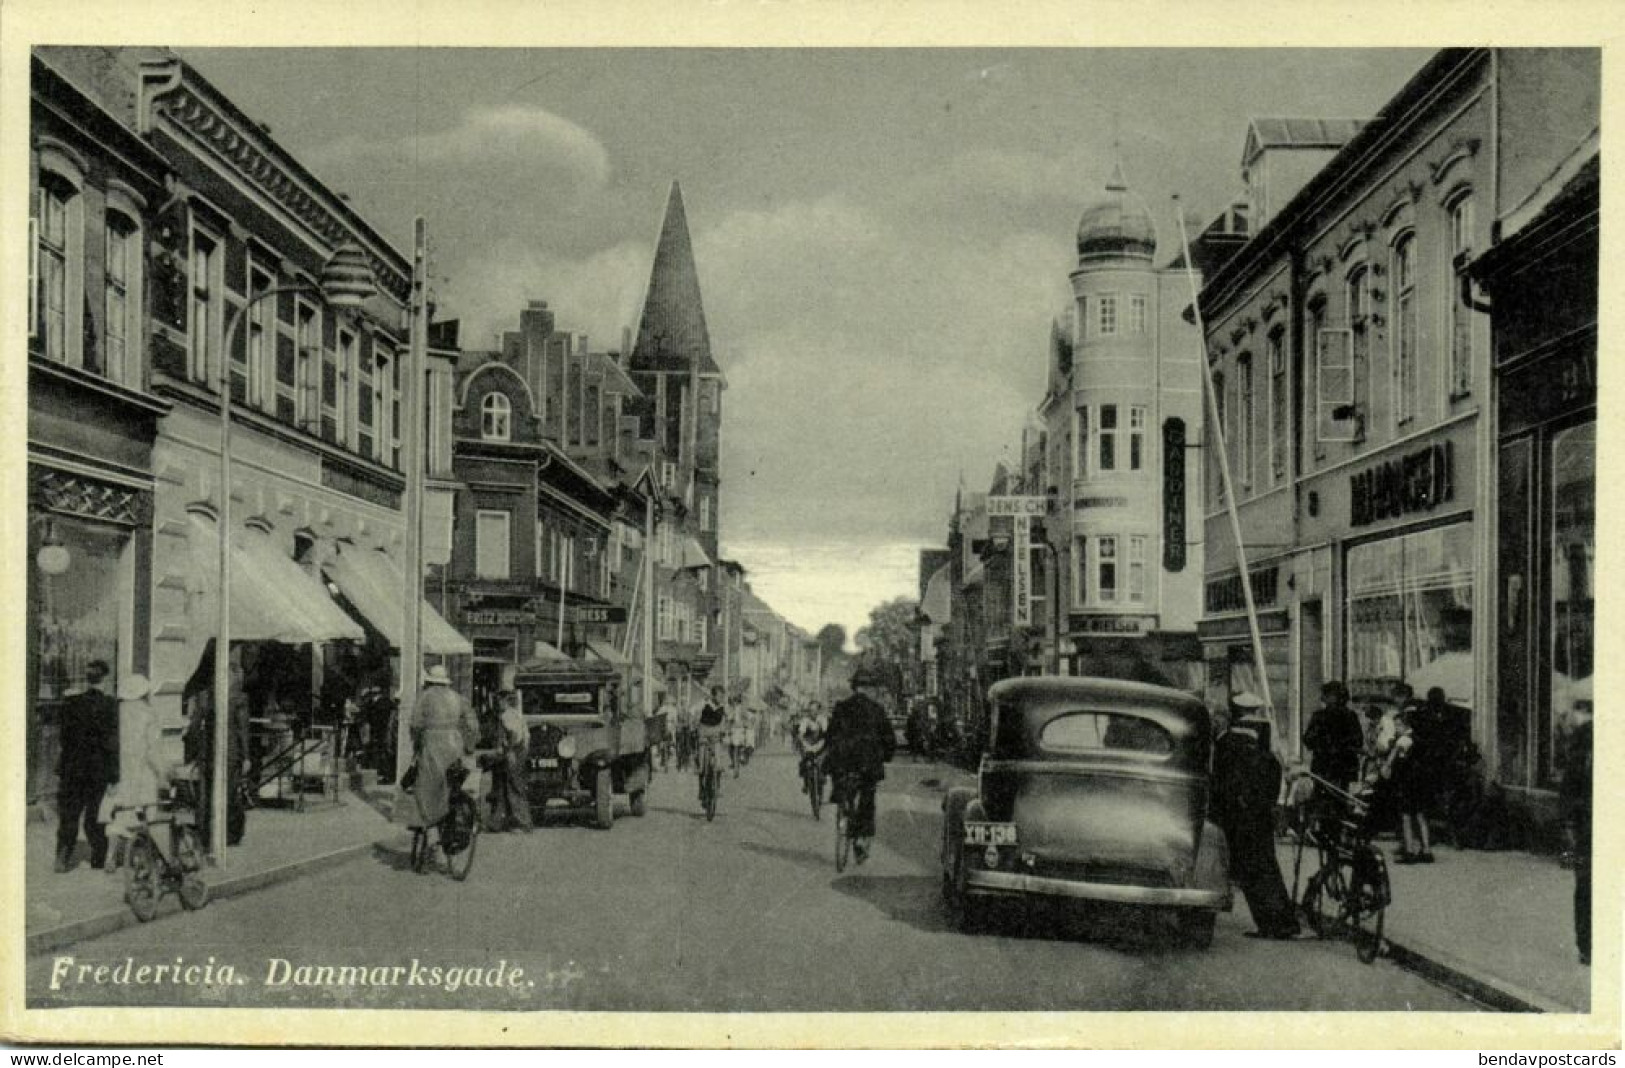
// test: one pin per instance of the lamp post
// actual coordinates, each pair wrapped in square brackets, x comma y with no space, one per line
[346,282]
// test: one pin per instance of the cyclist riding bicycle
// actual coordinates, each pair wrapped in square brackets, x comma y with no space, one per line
[810,734]
[713,734]
[860,742]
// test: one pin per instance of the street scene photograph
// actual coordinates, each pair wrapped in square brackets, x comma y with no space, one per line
[810,530]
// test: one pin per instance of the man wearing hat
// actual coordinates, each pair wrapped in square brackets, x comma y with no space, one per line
[444,730]
[1246,782]
[1334,737]
[860,742]
[88,732]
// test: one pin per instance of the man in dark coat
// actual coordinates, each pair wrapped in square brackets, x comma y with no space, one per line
[1246,783]
[88,731]
[1335,738]
[860,742]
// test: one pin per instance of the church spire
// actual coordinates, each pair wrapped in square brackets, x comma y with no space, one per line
[672,332]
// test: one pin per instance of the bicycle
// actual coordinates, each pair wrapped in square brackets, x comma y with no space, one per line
[456,833]
[1349,893]
[710,779]
[150,870]
[812,782]
[847,794]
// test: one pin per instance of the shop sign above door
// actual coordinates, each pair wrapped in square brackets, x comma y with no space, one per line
[1419,481]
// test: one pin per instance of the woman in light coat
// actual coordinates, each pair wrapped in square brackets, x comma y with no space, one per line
[444,730]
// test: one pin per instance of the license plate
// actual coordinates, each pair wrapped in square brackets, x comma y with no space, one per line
[544,762]
[997,834]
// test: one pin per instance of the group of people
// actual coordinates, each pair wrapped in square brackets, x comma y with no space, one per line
[736,728]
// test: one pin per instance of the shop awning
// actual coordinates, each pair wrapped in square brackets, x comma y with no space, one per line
[547,651]
[607,653]
[272,598]
[694,555]
[372,582]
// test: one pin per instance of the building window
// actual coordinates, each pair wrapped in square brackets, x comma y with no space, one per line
[1410,613]
[121,299]
[383,381]
[495,416]
[308,366]
[1334,385]
[541,549]
[201,320]
[1106,314]
[1106,569]
[1136,437]
[1278,407]
[1137,314]
[1404,335]
[1106,448]
[1081,436]
[1136,568]
[58,204]
[330,395]
[365,404]
[491,551]
[1461,316]
[248,369]
[1244,418]
[1080,318]
[436,422]
[1216,480]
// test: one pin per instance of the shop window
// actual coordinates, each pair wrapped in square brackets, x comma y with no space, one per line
[1461,316]
[495,416]
[1410,613]
[1404,330]
[1573,540]
[1278,407]
[1106,569]
[491,555]
[121,299]
[1136,568]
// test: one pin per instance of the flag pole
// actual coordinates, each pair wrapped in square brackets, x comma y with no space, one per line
[1217,436]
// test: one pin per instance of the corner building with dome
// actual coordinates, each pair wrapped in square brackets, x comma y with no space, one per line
[1122,418]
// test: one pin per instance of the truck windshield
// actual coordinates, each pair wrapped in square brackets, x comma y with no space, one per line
[559,701]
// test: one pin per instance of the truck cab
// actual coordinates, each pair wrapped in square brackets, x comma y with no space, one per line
[586,745]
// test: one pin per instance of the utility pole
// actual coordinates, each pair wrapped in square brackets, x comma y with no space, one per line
[412,456]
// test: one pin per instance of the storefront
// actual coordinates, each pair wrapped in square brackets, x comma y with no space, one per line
[1542,284]
[1227,649]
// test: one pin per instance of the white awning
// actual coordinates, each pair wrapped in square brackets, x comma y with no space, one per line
[272,598]
[372,582]
[607,653]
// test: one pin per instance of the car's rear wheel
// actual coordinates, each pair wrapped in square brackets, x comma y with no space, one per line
[603,796]
[1195,927]
[966,913]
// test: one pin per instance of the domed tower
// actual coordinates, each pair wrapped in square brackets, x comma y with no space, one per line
[1134,368]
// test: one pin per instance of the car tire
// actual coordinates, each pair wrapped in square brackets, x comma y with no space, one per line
[1195,927]
[603,796]
[967,914]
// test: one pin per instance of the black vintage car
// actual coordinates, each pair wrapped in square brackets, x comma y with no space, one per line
[586,746]
[1092,790]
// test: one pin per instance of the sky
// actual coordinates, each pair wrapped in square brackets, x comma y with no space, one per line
[882,235]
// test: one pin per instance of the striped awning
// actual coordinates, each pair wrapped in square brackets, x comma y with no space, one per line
[272,598]
[371,582]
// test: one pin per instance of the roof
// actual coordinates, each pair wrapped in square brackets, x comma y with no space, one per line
[615,379]
[671,333]
[1264,133]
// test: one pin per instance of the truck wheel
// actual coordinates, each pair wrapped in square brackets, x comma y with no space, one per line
[603,796]
[639,805]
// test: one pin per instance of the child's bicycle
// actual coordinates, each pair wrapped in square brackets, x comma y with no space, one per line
[455,834]
[1349,892]
[165,852]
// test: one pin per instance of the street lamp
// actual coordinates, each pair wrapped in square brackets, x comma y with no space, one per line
[346,282]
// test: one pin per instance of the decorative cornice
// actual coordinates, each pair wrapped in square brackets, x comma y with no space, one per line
[178,100]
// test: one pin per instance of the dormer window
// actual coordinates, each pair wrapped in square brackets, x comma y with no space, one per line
[495,417]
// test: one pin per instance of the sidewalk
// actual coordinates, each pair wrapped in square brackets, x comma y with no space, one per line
[1499,926]
[279,844]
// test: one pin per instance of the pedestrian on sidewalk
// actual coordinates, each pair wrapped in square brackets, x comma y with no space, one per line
[89,738]
[1334,737]
[1574,794]
[1246,783]
[1411,775]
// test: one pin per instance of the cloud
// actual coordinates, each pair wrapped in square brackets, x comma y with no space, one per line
[490,139]
[596,294]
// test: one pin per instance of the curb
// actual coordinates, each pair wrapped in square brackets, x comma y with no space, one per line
[66,934]
[1455,974]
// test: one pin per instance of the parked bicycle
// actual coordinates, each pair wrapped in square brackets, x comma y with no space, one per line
[846,797]
[457,832]
[1349,892]
[165,853]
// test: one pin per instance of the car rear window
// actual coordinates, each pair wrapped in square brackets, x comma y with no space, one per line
[1094,732]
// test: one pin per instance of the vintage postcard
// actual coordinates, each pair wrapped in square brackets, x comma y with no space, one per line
[810,526]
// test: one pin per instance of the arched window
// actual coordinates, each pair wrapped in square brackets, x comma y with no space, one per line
[495,416]
[58,268]
[1404,328]
[121,348]
[1461,316]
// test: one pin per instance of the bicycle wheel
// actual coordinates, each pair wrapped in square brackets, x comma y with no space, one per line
[194,892]
[843,843]
[1323,899]
[713,786]
[142,879]
[1367,903]
[466,835]
[810,785]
